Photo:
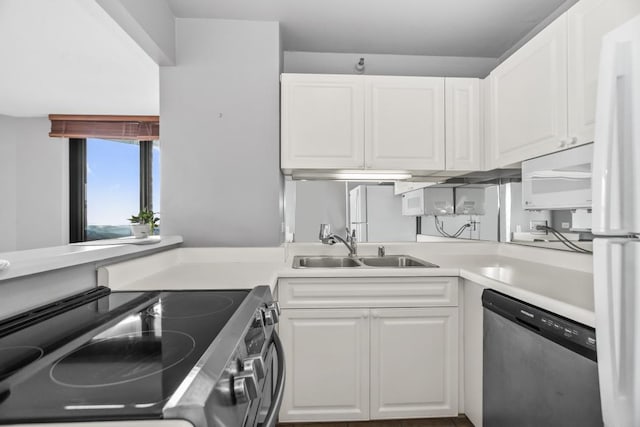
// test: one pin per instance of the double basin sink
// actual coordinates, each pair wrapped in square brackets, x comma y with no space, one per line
[387,261]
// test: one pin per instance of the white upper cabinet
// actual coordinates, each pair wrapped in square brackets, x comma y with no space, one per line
[463,131]
[529,98]
[404,119]
[488,158]
[322,122]
[589,20]
[333,122]
[543,97]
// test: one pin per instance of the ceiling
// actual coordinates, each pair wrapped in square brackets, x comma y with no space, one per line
[472,28]
[70,56]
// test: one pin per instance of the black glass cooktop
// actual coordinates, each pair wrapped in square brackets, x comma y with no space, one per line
[111,356]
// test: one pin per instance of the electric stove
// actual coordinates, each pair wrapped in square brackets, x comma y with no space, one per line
[208,357]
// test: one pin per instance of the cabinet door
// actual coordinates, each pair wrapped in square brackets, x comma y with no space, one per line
[414,362]
[488,158]
[589,20]
[327,363]
[529,98]
[322,121]
[463,137]
[404,119]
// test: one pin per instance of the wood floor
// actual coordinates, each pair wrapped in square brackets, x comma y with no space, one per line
[460,421]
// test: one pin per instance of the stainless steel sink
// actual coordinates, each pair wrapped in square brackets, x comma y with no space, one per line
[396,261]
[324,262]
[388,261]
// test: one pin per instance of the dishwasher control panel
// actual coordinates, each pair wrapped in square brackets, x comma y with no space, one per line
[569,330]
[572,335]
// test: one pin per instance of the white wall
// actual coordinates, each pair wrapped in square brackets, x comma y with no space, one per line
[385,222]
[319,202]
[219,114]
[399,65]
[34,185]
[150,23]
[487,224]
[451,224]
[520,219]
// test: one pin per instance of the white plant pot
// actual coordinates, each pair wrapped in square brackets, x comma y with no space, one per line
[140,231]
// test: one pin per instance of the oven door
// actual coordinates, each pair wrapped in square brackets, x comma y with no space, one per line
[239,380]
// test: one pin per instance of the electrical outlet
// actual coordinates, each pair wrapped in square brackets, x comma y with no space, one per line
[566,225]
[534,223]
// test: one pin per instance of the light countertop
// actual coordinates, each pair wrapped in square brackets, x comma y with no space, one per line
[33,261]
[545,282]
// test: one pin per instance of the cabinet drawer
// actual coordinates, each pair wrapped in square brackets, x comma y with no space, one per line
[368,292]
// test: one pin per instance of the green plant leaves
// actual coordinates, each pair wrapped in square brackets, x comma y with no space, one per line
[145,217]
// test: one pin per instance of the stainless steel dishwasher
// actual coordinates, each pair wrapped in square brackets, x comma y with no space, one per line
[539,369]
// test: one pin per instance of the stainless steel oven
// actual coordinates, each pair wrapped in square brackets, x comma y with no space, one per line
[210,358]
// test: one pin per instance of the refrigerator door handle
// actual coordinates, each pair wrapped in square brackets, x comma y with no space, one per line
[616,299]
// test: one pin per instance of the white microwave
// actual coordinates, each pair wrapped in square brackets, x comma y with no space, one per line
[428,201]
[413,203]
[558,181]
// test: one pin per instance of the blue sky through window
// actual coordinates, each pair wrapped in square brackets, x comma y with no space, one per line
[113,181]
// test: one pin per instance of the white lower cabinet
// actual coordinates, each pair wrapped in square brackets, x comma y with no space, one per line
[327,358]
[472,343]
[385,356]
[414,362]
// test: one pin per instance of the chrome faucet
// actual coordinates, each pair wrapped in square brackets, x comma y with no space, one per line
[328,238]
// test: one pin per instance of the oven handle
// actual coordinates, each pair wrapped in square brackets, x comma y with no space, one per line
[276,400]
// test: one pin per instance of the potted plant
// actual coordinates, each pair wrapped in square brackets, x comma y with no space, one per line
[143,224]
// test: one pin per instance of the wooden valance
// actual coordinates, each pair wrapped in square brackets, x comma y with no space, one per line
[140,128]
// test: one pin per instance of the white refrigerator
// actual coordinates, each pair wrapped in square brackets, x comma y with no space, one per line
[375,214]
[616,223]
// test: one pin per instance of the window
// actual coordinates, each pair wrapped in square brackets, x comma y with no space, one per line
[114,171]
[110,181]
[113,187]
